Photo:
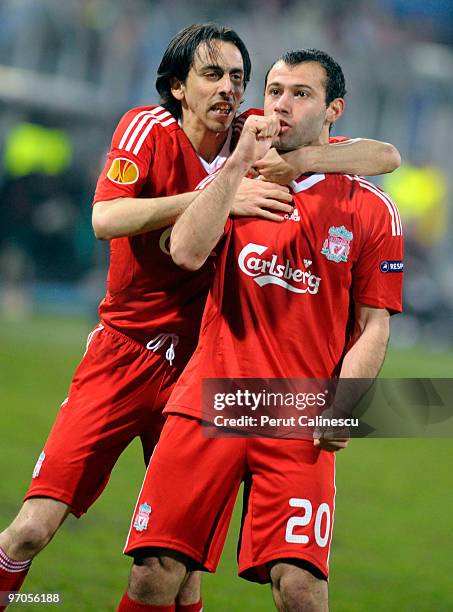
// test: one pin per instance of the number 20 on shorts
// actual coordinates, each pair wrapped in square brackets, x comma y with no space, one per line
[322,515]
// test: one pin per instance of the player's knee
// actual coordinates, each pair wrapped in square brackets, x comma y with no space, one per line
[28,536]
[190,591]
[156,579]
[33,527]
[297,595]
[299,590]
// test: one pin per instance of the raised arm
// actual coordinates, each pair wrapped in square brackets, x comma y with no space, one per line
[201,225]
[121,211]
[358,156]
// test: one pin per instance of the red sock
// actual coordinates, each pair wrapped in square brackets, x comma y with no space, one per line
[196,607]
[130,605]
[12,574]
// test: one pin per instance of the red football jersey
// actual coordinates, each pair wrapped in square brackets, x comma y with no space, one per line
[147,293]
[150,156]
[281,305]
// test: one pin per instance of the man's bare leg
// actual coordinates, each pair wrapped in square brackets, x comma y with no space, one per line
[297,590]
[31,530]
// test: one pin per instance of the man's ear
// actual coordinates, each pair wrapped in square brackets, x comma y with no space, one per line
[335,110]
[177,88]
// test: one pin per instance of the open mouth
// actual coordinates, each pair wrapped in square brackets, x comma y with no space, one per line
[222,109]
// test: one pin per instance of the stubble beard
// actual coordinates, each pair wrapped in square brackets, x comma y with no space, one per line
[290,145]
[297,141]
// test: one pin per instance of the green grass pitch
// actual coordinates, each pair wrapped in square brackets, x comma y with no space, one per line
[394,520]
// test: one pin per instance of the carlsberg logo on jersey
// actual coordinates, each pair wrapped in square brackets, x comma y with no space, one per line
[268,271]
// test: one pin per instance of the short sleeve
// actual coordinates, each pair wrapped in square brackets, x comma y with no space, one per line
[378,270]
[129,158]
[338,139]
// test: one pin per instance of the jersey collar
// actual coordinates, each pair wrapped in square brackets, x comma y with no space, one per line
[221,158]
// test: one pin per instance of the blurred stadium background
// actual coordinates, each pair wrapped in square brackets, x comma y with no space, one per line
[68,70]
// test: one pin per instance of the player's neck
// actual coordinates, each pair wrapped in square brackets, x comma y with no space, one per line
[324,135]
[322,139]
[206,143]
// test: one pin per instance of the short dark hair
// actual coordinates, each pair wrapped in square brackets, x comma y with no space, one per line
[179,55]
[335,83]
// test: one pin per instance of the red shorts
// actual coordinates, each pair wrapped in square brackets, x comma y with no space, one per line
[190,489]
[118,392]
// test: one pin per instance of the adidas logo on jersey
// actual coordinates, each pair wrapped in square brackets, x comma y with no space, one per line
[294,216]
[269,271]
